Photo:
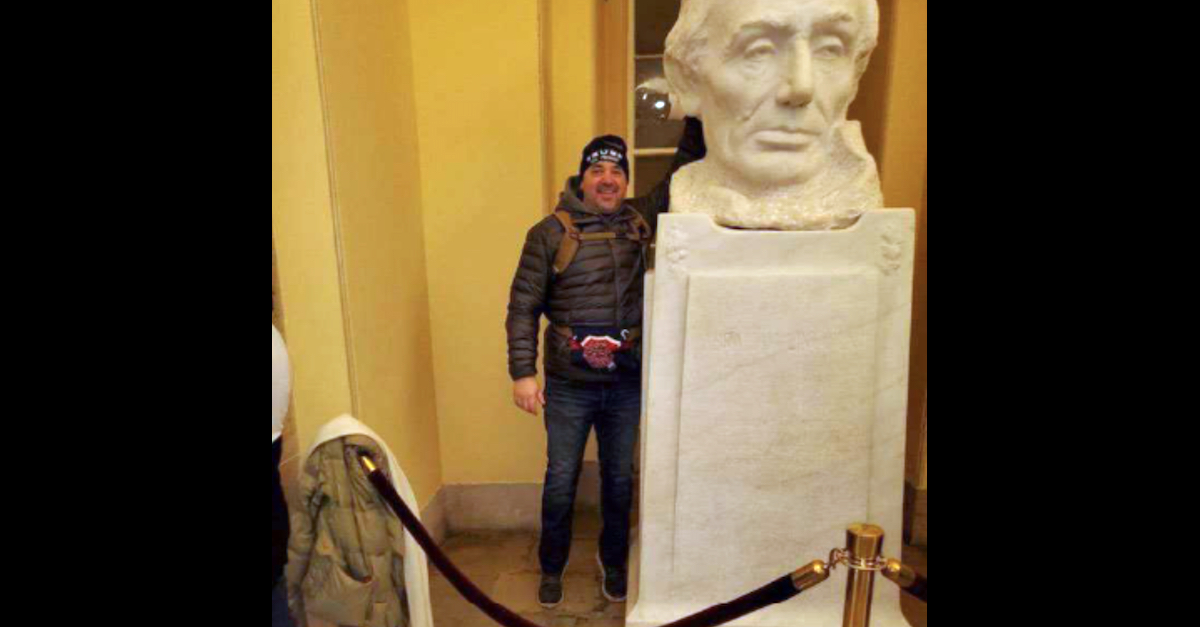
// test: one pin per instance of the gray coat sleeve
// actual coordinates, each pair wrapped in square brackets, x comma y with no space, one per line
[527,301]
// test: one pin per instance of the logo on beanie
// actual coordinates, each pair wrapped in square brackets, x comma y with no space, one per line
[605,154]
[604,148]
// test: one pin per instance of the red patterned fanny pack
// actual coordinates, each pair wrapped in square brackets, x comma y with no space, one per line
[603,349]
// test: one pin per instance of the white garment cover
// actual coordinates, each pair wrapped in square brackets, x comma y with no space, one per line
[281,383]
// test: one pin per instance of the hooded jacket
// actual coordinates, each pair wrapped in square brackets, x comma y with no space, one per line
[601,287]
[350,560]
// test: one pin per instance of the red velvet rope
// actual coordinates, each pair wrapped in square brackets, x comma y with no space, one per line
[779,590]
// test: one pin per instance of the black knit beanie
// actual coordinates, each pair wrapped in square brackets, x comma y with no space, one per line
[605,148]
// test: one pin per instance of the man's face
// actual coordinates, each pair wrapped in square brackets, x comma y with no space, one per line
[604,186]
[777,76]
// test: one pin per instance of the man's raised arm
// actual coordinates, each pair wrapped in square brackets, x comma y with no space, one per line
[691,148]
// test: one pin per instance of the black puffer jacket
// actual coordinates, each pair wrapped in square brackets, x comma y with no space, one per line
[601,287]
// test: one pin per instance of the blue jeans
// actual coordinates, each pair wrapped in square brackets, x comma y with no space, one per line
[572,410]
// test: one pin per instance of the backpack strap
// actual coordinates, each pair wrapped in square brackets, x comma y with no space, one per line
[572,237]
[570,242]
[642,230]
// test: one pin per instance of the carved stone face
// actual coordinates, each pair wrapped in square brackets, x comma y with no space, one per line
[772,80]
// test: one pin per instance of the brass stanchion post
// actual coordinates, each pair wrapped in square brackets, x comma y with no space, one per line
[864,544]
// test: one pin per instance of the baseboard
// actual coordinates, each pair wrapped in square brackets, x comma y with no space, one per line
[433,516]
[492,507]
[509,506]
[481,507]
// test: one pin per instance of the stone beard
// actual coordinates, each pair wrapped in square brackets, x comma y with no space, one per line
[772,81]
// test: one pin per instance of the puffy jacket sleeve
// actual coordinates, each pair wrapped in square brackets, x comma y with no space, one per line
[691,148]
[527,301]
[300,544]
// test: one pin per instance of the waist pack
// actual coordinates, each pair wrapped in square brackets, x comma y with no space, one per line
[603,349]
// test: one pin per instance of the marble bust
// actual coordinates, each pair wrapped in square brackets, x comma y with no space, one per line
[772,81]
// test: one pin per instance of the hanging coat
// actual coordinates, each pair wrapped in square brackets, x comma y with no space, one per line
[350,561]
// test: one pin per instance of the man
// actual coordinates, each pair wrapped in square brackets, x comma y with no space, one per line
[773,80]
[583,269]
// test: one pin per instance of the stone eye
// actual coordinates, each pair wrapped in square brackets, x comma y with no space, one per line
[830,50]
[755,53]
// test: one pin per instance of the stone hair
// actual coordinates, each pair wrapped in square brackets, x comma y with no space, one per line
[685,46]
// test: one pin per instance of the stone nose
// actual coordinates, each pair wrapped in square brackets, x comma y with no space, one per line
[796,88]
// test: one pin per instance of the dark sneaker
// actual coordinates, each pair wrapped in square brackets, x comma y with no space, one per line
[550,592]
[612,581]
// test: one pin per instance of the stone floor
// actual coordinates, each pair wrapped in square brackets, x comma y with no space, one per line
[504,565]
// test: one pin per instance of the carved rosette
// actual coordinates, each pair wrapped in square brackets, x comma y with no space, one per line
[892,250]
[676,249]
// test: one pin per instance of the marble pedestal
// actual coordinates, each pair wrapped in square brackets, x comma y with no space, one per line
[774,413]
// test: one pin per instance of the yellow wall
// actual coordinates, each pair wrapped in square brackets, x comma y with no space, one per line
[571,82]
[436,130]
[905,145]
[570,66]
[480,127]
[366,62]
[870,104]
[302,223]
